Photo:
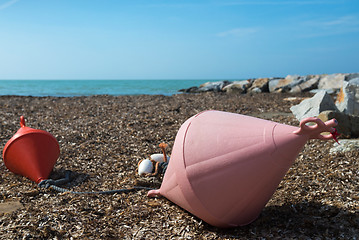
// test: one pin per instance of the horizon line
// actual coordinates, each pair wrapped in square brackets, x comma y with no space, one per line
[134,79]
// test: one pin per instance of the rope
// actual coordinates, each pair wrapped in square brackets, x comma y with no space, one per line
[124,190]
[54,184]
[162,167]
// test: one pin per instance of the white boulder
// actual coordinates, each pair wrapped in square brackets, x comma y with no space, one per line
[348,97]
[312,107]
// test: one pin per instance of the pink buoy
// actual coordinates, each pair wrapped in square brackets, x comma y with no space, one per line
[225,167]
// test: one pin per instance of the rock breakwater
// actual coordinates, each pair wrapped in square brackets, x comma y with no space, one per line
[291,83]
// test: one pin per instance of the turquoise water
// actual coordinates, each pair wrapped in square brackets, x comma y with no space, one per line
[70,88]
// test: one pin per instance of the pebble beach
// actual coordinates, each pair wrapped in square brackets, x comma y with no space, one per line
[102,138]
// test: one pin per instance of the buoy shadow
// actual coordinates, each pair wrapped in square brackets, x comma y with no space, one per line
[76,178]
[311,219]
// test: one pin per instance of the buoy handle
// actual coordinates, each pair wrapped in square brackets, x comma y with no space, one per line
[154,193]
[22,121]
[314,131]
[163,148]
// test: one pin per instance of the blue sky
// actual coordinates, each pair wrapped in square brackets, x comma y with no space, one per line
[173,39]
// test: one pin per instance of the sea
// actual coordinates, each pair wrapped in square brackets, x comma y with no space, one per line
[72,88]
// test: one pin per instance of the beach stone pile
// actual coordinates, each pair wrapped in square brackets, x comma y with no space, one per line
[331,83]
[345,108]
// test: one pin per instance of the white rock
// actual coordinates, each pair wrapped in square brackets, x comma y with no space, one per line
[158,157]
[351,76]
[286,84]
[145,167]
[259,85]
[277,83]
[213,86]
[236,87]
[308,83]
[332,81]
[328,91]
[312,107]
[348,98]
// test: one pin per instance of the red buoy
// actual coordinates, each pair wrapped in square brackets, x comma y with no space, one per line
[31,153]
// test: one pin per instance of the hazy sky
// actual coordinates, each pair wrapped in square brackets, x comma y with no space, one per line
[173,39]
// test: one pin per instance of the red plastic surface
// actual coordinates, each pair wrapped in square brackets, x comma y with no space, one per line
[31,153]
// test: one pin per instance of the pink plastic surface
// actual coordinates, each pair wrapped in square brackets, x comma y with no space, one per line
[224,167]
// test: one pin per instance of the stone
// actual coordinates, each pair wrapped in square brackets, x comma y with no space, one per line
[213,86]
[348,97]
[237,87]
[332,81]
[275,84]
[312,107]
[329,91]
[348,125]
[296,82]
[310,83]
[205,84]
[259,85]
[345,145]
[291,83]
[282,85]
[351,76]
[292,78]
[189,90]
[256,90]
